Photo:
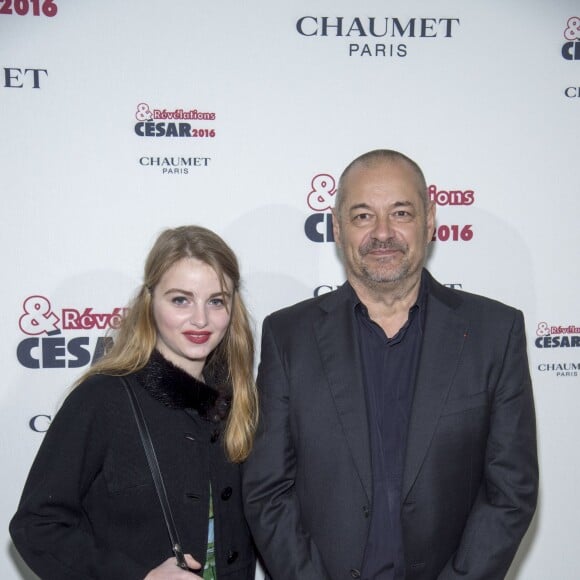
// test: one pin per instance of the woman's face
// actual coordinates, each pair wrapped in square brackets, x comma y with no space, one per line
[191,313]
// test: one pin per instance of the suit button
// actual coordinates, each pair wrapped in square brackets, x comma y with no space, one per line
[355,573]
[227,493]
[366,511]
[232,556]
[215,436]
[409,507]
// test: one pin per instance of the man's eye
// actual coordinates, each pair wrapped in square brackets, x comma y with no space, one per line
[361,217]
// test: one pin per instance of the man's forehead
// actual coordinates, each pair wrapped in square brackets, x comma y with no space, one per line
[382,178]
[373,202]
[382,168]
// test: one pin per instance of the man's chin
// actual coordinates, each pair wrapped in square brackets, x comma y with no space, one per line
[382,277]
[385,269]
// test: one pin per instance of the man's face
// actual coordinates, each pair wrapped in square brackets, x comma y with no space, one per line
[383,229]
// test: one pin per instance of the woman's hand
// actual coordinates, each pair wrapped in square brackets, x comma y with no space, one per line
[169,570]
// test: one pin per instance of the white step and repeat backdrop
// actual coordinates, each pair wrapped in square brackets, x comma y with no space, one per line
[118,119]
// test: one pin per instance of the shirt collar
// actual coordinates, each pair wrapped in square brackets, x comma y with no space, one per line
[420,305]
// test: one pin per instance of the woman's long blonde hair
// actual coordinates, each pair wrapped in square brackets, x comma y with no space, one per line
[137,335]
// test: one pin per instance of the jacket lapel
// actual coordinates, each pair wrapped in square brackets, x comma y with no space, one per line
[443,340]
[337,339]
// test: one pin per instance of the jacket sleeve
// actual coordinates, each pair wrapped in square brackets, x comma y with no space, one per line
[50,529]
[270,500]
[507,498]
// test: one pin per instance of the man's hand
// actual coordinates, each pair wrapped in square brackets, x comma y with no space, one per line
[169,570]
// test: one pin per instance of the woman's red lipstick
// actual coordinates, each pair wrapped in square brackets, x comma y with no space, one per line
[197,337]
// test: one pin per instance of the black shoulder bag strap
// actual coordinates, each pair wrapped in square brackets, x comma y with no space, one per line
[155,471]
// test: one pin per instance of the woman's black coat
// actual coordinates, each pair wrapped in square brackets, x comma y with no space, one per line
[89,508]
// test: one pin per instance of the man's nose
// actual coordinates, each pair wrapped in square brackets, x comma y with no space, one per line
[383,229]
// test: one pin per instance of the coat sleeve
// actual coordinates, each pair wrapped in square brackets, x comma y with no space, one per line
[270,500]
[507,498]
[50,529]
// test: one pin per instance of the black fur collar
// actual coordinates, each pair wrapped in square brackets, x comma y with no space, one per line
[175,388]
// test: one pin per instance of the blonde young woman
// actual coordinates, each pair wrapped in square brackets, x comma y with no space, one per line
[89,508]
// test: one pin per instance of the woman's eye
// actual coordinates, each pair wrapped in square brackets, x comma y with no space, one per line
[179,300]
[217,302]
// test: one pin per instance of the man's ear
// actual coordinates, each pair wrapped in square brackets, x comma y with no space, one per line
[431,213]
[336,226]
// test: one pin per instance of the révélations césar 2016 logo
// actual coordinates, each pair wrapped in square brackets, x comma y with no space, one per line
[64,338]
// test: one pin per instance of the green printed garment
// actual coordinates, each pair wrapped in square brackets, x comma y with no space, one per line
[209,571]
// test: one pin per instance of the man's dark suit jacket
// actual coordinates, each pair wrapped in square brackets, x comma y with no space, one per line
[471,475]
